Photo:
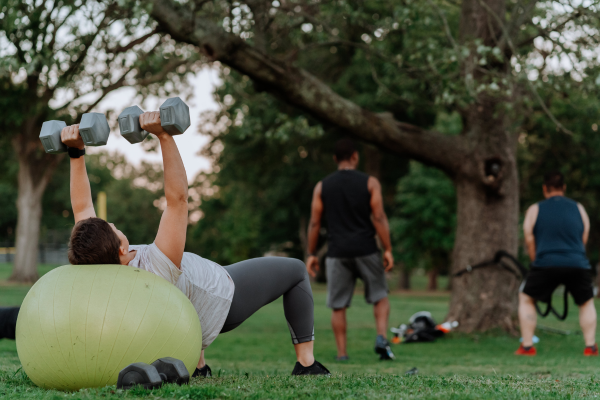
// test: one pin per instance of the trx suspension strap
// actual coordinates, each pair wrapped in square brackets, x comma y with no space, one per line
[520,274]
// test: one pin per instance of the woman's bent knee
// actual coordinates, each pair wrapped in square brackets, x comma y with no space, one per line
[296,268]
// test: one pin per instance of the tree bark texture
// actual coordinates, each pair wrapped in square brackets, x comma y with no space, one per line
[481,161]
[432,280]
[372,161]
[487,191]
[404,278]
[35,171]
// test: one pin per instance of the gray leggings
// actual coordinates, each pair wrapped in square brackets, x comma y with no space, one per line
[260,281]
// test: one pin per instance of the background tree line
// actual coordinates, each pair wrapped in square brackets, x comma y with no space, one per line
[491,93]
[266,163]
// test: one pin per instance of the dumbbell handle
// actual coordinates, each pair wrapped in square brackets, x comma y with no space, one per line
[93,128]
[174,119]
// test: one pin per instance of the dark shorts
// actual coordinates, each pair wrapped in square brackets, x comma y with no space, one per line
[341,279]
[541,283]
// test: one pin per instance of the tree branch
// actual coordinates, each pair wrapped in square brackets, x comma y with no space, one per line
[133,43]
[530,84]
[86,47]
[517,21]
[303,90]
[546,32]
[58,25]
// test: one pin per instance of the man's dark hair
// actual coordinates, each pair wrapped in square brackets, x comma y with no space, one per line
[93,241]
[344,148]
[554,180]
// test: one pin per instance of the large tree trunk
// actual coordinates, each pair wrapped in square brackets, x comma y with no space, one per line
[484,298]
[487,221]
[432,279]
[486,186]
[35,171]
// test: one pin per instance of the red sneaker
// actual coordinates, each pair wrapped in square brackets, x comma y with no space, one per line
[591,351]
[521,351]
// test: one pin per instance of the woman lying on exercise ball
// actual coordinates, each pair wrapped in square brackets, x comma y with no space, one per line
[223,297]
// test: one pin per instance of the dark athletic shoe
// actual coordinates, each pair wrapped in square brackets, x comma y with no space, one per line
[316,369]
[204,372]
[382,347]
[342,358]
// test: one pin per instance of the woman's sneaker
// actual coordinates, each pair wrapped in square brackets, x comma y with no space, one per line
[204,372]
[591,350]
[526,351]
[316,369]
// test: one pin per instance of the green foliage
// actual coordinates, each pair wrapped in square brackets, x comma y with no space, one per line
[409,59]
[542,149]
[8,193]
[55,53]
[267,168]
[132,198]
[424,223]
[267,159]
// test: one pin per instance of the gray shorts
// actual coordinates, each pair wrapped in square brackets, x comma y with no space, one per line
[342,274]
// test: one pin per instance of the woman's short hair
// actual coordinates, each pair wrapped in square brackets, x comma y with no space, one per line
[93,241]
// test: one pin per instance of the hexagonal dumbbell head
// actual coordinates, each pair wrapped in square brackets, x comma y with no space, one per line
[94,129]
[172,370]
[141,374]
[50,137]
[129,124]
[174,116]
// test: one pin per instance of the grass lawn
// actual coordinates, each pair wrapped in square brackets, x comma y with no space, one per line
[255,360]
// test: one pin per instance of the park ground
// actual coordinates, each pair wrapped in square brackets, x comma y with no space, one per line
[255,360]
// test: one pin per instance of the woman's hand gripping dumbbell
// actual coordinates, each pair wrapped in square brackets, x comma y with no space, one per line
[173,116]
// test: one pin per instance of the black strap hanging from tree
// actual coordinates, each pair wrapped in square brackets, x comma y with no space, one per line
[520,274]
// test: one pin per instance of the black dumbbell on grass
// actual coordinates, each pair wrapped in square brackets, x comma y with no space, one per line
[93,128]
[174,118]
[150,376]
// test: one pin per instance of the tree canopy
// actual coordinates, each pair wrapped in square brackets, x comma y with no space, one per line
[60,59]
[495,63]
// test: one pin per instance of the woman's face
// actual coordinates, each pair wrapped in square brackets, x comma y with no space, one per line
[124,249]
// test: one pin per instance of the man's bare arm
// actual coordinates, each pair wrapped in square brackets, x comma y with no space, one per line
[171,235]
[528,225]
[380,221]
[586,223]
[316,212]
[81,194]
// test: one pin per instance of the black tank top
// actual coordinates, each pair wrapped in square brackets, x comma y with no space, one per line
[347,203]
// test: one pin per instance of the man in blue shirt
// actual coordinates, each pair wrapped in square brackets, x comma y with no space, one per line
[556,231]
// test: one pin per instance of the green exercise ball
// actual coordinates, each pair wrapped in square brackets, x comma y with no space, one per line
[79,325]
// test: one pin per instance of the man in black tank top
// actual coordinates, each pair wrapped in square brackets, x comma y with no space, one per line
[352,205]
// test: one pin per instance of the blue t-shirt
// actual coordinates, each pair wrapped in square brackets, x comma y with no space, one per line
[558,233]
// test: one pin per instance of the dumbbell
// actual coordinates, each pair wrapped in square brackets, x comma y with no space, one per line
[172,370]
[93,128]
[139,374]
[174,119]
[150,376]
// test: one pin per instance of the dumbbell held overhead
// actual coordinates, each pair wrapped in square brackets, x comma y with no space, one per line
[93,128]
[174,119]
